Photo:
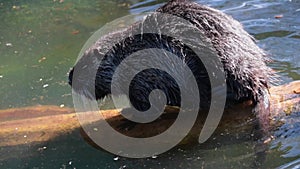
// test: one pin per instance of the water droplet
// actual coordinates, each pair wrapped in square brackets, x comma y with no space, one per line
[154,156]
[122,167]
[116,158]
[9,44]
[45,85]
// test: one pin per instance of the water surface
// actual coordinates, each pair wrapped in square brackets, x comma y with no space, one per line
[40,41]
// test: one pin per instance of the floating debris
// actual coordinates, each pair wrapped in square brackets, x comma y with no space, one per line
[66,95]
[124,5]
[122,167]
[45,85]
[116,158]
[9,44]
[1,76]
[268,139]
[42,59]
[75,32]
[42,148]
[62,106]
[15,7]
[278,16]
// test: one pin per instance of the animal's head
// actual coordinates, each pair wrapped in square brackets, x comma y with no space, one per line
[91,77]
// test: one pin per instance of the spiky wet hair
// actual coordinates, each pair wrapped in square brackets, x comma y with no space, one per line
[244,63]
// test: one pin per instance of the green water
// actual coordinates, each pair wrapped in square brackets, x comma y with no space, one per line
[38,46]
[40,41]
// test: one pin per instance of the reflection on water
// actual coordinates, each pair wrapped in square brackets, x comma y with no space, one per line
[288,136]
[40,40]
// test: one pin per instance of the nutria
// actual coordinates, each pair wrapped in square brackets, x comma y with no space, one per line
[244,63]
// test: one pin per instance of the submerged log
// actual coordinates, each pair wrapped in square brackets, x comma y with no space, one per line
[43,123]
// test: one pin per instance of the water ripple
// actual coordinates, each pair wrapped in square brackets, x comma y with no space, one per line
[251,5]
[288,136]
[260,22]
[292,165]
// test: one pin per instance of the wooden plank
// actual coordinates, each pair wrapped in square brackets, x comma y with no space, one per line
[42,123]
